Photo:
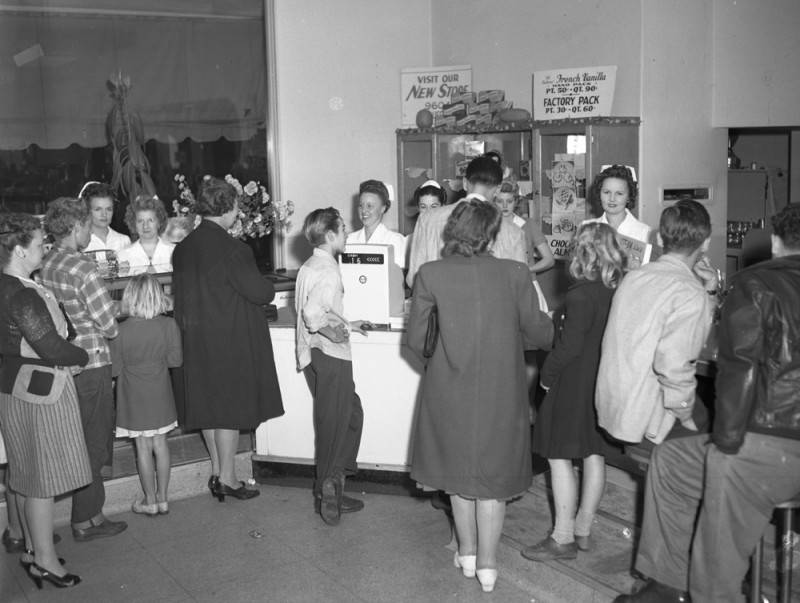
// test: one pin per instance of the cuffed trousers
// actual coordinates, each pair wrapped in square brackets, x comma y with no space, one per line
[96,402]
[338,416]
[735,496]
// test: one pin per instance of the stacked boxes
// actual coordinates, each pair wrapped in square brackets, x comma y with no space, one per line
[472,109]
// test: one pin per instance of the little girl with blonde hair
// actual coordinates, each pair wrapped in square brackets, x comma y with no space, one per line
[566,428]
[148,344]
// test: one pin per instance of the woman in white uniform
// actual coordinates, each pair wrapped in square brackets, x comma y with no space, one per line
[373,203]
[99,199]
[147,217]
[613,193]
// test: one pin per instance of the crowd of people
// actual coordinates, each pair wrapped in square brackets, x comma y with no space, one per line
[620,368]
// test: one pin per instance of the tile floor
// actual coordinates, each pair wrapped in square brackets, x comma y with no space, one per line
[394,550]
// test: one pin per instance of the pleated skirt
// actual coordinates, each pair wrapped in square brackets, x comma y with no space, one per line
[45,445]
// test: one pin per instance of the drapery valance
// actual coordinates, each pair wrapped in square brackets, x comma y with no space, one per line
[193,77]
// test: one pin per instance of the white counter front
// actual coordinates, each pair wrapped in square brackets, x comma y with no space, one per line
[387,380]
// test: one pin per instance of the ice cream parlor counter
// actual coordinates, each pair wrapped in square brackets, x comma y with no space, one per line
[386,378]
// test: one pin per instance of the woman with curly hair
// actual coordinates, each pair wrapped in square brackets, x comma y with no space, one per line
[39,414]
[228,380]
[566,427]
[147,217]
[472,434]
[612,196]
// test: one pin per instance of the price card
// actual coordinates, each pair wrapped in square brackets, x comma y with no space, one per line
[573,93]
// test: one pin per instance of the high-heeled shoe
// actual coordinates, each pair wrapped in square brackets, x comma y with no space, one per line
[466,563]
[487,577]
[25,563]
[65,581]
[213,481]
[242,493]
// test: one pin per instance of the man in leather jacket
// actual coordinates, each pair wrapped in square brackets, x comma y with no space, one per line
[751,462]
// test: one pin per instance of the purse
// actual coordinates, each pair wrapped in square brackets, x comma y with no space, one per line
[37,384]
[432,334]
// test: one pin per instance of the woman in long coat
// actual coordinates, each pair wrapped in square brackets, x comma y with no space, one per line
[472,436]
[229,378]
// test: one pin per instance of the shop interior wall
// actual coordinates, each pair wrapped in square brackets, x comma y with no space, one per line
[757,63]
[679,147]
[339,104]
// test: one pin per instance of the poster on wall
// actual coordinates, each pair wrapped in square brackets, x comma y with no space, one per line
[573,93]
[430,88]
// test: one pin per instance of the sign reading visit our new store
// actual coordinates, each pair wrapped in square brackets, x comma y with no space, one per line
[573,93]
[430,88]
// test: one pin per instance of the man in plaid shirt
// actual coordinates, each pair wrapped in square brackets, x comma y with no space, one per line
[76,284]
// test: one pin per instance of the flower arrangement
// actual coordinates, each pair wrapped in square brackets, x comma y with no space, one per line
[259,215]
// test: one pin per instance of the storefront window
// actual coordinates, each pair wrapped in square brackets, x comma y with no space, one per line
[197,77]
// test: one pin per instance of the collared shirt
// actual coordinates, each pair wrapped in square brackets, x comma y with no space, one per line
[139,261]
[319,297]
[115,241]
[383,236]
[75,282]
[426,244]
[630,226]
[659,321]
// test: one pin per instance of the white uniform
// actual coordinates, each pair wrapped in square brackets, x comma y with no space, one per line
[383,236]
[115,241]
[139,261]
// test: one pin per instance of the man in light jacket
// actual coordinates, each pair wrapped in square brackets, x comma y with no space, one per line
[751,461]
[659,321]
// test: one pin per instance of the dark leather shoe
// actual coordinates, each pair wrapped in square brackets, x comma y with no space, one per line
[17,545]
[242,493]
[655,592]
[548,549]
[330,508]
[99,530]
[349,504]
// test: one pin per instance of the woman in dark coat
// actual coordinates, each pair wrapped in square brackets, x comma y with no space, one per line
[566,427]
[229,378]
[472,435]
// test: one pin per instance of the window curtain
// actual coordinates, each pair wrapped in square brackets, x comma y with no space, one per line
[193,75]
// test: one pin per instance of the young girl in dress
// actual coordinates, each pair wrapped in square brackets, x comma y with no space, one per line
[147,345]
[566,427]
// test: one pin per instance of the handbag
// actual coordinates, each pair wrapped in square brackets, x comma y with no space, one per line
[432,334]
[38,384]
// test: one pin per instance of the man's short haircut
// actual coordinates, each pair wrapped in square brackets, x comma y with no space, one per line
[319,222]
[484,170]
[62,216]
[786,226]
[684,226]
[471,228]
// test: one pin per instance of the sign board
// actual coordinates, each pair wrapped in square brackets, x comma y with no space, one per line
[573,93]
[430,88]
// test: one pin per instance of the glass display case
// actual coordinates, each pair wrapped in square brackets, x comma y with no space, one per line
[443,156]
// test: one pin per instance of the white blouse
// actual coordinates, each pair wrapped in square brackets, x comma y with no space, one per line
[383,236]
[114,240]
[139,261]
[630,226]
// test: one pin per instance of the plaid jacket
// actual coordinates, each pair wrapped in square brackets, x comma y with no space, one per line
[74,280]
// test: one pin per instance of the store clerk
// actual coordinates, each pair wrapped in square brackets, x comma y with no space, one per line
[614,193]
[373,203]
[99,199]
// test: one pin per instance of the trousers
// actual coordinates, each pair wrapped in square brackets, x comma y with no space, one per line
[96,402]
[705,511]
[338,416]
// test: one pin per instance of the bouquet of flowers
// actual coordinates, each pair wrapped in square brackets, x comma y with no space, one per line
[259,215]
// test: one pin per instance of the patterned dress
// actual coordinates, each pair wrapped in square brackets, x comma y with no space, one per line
[44,442]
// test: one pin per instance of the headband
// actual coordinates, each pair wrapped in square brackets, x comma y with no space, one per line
[432,183]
